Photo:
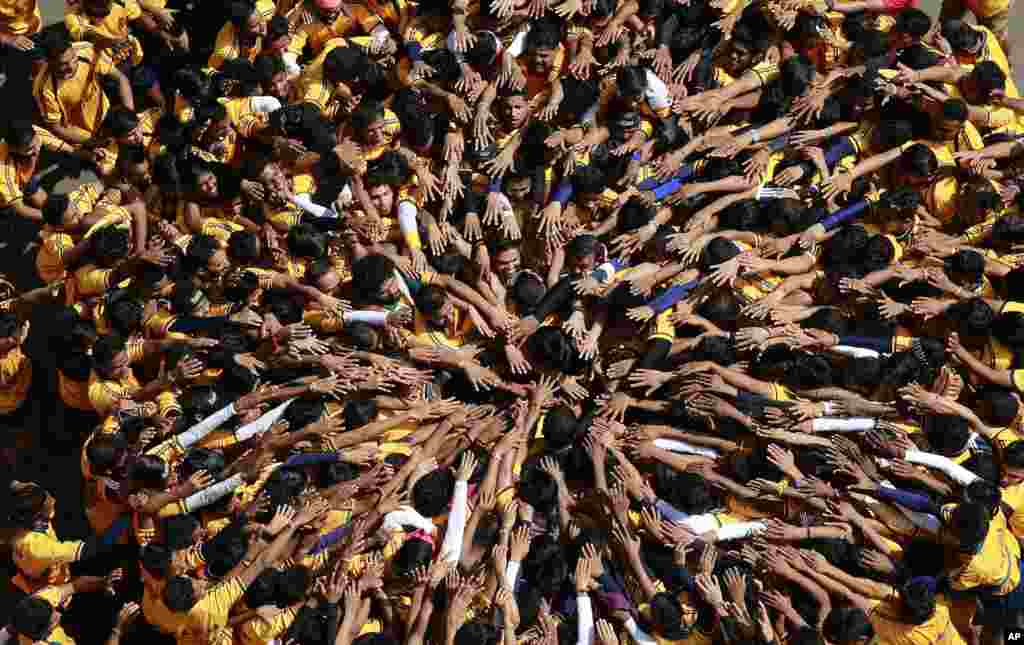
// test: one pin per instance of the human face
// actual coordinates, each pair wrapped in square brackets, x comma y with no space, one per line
[583,264]
[542,61]
[137,174]
[506,265]
[382,198]
[255,25]
[207,184]
[516,111]
[740,57]
[376,134]
[66,65]
[273,178]
[517,190]
[219,262]
[279,87]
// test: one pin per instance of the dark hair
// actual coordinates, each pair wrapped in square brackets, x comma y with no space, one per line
[305,241]
[179,596]
[912,22]
[369,273]
[969,523]
[120,121]
[55,41]
[155,559]
[961,36]
[433,492]
[919,161]
[110,244]
[414,553]
[954,110]
[988,77]
[847,625]
[32,617]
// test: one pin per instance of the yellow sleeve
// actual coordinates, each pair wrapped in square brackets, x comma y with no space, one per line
[10,189]
[104,395]
[93,281]
[663,327]
[1017,376]
[132,10]
[46,550]
[217,603]
[77,27]
[104,65]
[55,595]
[49,103]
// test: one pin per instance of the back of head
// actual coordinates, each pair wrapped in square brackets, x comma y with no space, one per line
[433,492]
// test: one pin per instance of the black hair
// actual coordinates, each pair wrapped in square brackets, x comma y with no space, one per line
[110,244]
[969,523]
[919,161]
[954,110]
[847,625]
[988,77]
[244,247]
[433,492]
[179,596]
[947,434]
[156,559]
[303,412]
[54,41]
[105,349]
[975,317]
[178,531]
[148,471]
[32,618]
[120,121]
[913,22]
[414,553]
[717,251]
[961,36]
[305,241]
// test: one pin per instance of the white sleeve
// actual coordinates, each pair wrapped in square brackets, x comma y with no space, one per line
[657,92]
[291,63]
[211,494]
[265,104]
[407,218]
[853,424]
[855,352]
[451,548]
[450,44]
[584,620]
[515,50]
[640,637]
[954,471]
[196,433]
[406,515]
[375,318]
[512,573]
[303,201]
[701,524]
[261,425]
[738,531]
[675,445]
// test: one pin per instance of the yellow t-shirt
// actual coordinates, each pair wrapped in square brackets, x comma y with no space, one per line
[1013,500]
[114,26]
[15,380]
[210,613]
[20,17]
[14,176]
[79,101]
[996,563]
[885,617]
[260,632]
[42,559]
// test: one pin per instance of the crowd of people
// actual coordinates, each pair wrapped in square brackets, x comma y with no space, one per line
[552,322]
